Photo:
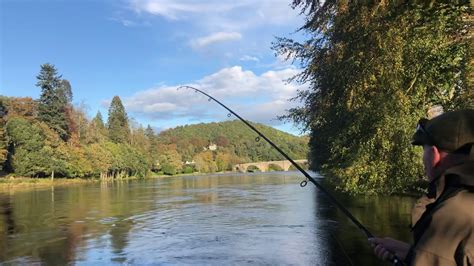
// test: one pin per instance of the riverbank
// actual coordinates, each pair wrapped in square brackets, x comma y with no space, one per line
[8,184]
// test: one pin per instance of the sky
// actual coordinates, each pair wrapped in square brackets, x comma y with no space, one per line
[142,50]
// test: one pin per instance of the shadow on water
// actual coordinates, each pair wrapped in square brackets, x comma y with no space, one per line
[382,215]
[216,219]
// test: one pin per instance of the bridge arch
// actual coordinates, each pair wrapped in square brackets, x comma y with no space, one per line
[264,166]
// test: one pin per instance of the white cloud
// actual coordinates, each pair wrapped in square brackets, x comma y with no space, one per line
[201,23]
[218,15]
[249,58]
[259,98]
[179,9]
[215,38]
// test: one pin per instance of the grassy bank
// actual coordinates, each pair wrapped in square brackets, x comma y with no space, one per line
[20,183]
[8,184]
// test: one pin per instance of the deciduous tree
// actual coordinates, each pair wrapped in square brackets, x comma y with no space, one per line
[373,69]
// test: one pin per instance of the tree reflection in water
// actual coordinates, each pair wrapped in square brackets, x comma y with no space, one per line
[219,219]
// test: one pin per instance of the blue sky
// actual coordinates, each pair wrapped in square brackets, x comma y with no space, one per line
[141,50]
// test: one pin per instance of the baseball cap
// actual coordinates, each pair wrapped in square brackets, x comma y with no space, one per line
[451,131]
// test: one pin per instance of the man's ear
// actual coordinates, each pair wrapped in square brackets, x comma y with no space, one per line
[436,156]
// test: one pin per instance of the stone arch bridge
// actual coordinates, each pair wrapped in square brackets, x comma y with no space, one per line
[263,166]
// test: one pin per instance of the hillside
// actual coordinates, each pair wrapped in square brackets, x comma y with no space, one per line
[233,138]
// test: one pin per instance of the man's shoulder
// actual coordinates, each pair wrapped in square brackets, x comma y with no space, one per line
[458,208]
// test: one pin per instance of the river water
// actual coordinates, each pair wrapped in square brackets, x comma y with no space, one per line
[250,219]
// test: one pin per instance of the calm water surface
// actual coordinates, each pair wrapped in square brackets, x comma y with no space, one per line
[263,219]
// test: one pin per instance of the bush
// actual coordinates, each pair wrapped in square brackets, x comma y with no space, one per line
[188,170]
[168,169]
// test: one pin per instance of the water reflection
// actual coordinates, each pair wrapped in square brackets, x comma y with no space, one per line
[219,219]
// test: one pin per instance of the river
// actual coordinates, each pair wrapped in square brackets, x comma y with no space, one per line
[250,219]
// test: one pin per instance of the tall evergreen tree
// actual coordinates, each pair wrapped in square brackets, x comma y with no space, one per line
[149,133]
[98,121]
[117,123]
[51,106]
[152,148]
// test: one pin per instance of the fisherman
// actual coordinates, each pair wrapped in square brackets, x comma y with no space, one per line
[442,220]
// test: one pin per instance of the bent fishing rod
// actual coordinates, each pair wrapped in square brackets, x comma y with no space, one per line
[331,198]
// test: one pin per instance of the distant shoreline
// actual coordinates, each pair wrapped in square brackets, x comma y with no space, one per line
[13,184]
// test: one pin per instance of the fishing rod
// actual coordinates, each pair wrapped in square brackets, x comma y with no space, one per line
[331,198]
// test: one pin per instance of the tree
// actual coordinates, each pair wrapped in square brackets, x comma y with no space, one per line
[149,133]
[36,150]
[205,163]
[223,161]
[374,68]
[98,121]
[96,130]
[51,105]
[24,107]
[100,158]
[221,141]
[117,123]
[3,136]
[170,161]
[65,91]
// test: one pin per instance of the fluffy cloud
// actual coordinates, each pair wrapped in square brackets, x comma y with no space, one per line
[258,98]
[219,15]
[215,38]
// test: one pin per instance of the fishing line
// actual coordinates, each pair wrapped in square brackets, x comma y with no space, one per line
[342,248]
[303,183]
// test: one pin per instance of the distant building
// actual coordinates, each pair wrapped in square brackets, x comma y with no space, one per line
[211,147]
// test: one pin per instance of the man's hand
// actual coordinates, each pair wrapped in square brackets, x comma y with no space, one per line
[386,247]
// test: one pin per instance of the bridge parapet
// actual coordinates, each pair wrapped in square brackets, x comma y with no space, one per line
[264,166]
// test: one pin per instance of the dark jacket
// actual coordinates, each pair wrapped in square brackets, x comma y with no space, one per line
[443,227]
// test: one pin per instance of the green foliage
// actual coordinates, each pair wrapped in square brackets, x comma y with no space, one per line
[24,107]
[96,131]
[37,151]
[168,169]
[30,154]
[188,169]
[170,162]
[223,161]
[274,167]
[3,135]
[234,144]
[234,138]
[119,131]
[374,69]
[50,137]
[126,161]
[152,151]
[98,121]
[205,162]
[100,158]
[53,100]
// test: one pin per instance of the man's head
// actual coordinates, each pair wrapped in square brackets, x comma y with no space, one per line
[446,139]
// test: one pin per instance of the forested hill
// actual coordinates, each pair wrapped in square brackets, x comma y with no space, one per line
[233,138]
